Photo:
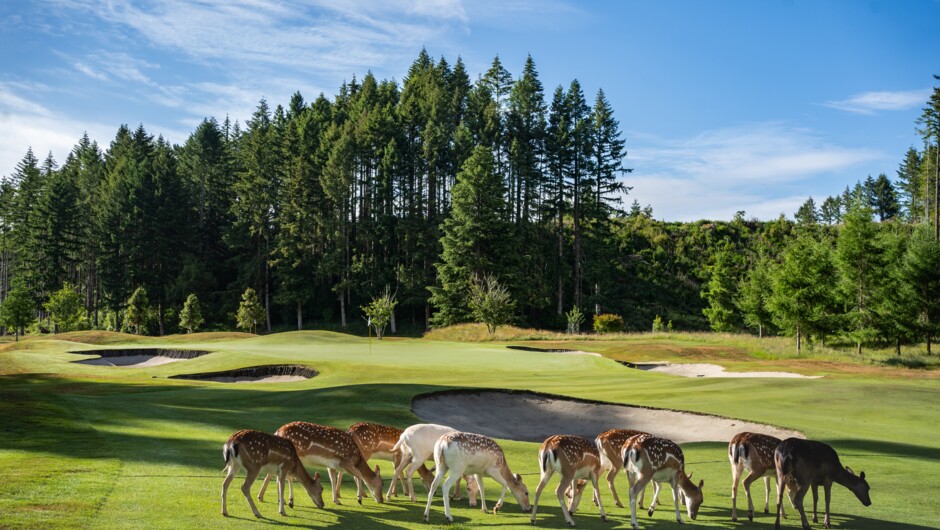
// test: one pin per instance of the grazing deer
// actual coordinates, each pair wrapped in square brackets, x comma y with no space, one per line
[332,448]
[648,458]
[754,453]
[802,464]
[378,441]
[416,445]
[609,444]
[575,458]
[465,453]
[256,451]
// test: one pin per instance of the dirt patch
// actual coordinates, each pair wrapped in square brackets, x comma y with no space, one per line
[554,350]
[705,370]
[138,357]
[532,417]
[272,373]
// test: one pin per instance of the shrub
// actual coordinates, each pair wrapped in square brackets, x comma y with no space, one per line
[379,312]
[608,323]
[658,324]
[491,303]
[575,319]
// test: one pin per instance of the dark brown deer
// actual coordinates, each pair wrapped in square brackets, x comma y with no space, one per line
[802,464]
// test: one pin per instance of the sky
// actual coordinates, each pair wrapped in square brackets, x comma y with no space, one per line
[724,105]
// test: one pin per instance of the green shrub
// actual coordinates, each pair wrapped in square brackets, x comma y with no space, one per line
[608,323]
[658,324]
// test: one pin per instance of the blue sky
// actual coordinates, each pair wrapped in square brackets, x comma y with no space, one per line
[725,105]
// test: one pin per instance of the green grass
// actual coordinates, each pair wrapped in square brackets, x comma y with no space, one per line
[89,446]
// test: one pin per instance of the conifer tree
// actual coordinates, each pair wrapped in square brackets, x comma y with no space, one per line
[138,309]
[860,261]
[754,294]
[250,311]
[191,315]
[720,291]
[920,277]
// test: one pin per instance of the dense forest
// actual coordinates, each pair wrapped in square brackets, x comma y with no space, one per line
[422,188]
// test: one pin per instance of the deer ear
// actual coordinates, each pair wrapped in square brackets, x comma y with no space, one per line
[861,475]
[690,475]
[376,469]
[316,476]
[518,477]
[847,468]
[701,484]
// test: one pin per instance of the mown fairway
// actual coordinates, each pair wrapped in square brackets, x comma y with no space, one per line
[104,447]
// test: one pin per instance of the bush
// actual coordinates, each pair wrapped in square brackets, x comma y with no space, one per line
[658,324]
[575,318]
[608,323]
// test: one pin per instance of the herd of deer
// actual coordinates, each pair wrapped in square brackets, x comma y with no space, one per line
[797,464]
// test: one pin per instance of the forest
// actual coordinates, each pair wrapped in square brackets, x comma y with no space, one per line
[424,188]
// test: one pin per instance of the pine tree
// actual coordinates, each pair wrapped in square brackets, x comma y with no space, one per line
[720,291]
[830,212]
[885,202]
[754,294]
[474,242]
[920,277]
[807,215]
[138,309]
[191,315]
[860,261]
[910,187]
[250,311]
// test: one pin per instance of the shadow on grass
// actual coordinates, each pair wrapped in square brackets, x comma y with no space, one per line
[896,449]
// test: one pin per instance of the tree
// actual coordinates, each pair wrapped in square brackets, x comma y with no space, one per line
[490,302]
[831,210]
[885,199]
[920,274]
[475,242]
[191,315]
[138,309]
[250,311]
[65,308]
[17,310]
[802,289]
[910,188]
[720,293]
[575,318]
[754,295]
[379,312]
[860,261]
[807,215]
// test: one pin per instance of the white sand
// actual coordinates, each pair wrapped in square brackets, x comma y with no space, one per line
[709,370]
[532,418]
[135,361]
[269,379]
[577,352]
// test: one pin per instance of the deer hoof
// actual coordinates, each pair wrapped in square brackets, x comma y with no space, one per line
[290,504]
[425,518]
[619,504]
[450,519]
[571,523]
[359,501]
[224,514]
[604,518]
[649,512]
[750,515]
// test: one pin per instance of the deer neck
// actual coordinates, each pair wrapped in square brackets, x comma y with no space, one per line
[686,485]
[844,478]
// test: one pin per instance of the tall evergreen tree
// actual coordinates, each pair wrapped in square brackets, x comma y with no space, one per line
[910,187]
[860,261]
[721,291]
[920,274]
[885,199]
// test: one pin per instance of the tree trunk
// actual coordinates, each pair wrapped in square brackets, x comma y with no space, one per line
[858,347]
[394,327]
[936,191]
[928,344]
[342,309]
[898,345]
[300,316]
[799,341]
[160,318]
[760,331]
[597,303]
[267,296]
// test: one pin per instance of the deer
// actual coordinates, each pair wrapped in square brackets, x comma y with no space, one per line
[256,451]
[609,444]
[416,445]
[464,453]
[378,441]
[320,445]
[802,464]
[576,458]
[755,453]
[649,458]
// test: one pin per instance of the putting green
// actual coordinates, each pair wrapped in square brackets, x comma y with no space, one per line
[120,447]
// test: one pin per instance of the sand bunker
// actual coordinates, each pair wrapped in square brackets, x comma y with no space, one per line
[554,350]
[706,370]
[532,417]
[138,357]
[272,373]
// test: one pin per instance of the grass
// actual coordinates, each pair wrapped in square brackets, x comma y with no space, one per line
[91,446]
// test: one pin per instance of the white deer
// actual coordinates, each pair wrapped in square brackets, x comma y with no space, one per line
[464,453]
[416,445]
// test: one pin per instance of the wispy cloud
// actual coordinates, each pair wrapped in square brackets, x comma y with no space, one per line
[872,102]
[763,168]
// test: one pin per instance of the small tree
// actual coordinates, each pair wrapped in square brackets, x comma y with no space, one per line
[191,315]
[65,308]
[490,303]
[754,297]
[379,312]
[608,323]
[17,310]
[250,311]
[658,326]
[138,309]
[575,319]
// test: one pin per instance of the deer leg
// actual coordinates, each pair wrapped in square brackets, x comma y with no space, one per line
[780,487]
[399,470]
[597,496]
[565,482]
[543,481]
[611,475]
[815,501]
[334,484]
[479,479]
[409,477]
[637,484]
[798,500]
[246,489]
[827,488]
[675,497]
[264,487]
[281,478]
[358,489]
[766,494]
[225,484]
[458,494]
[735,477]
[657,487]
[438,478]
[748,480]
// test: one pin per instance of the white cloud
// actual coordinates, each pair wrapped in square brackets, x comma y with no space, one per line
[763,168]
[871,102]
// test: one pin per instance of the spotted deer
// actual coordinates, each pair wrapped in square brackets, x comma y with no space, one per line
[378,441]
[332,448]
[576,459]
[649,458]
[754,453]
[464,453]
[609,444]
[256,451]
[802,464]
[416,445]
